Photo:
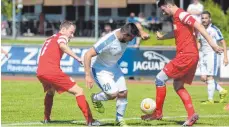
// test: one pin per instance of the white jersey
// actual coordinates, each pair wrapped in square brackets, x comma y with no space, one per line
[109,50]
[196,7]
[216,35]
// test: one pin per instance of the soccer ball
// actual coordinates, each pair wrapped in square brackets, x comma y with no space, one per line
[148,105]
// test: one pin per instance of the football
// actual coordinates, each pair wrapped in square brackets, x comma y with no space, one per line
[148,105]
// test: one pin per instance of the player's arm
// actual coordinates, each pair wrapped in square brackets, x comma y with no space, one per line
[97,48]
[168,35]
[67,50]
[210,41]
[225,59]
[144,35]
[187,19]
[87,66]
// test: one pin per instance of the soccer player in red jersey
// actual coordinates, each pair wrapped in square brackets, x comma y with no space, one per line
[182,68]
[54,79]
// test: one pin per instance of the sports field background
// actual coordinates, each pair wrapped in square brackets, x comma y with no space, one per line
[22,104]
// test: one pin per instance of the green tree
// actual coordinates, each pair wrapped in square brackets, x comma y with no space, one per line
[6,8]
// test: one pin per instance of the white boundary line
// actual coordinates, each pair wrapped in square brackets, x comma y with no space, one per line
[111,119]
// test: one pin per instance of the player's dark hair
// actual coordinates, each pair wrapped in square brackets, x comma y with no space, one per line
[130,29]
[66,24]
[208,13]
[164,2]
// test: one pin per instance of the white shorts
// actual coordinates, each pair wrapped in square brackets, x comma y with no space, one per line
[209,63]
[110,80]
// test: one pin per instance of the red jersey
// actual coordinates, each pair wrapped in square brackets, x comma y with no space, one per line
[184,32]
[51,54]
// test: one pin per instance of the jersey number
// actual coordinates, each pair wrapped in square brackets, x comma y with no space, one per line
[45,46]
[106,87]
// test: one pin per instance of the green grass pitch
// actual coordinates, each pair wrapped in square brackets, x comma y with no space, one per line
[22,104]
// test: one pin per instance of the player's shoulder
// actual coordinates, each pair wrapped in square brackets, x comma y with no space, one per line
[182,14]
[213,27]
[110,37]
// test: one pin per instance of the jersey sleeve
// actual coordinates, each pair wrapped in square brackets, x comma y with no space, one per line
[219,35]
[104,43]
[187,18]
[62,39]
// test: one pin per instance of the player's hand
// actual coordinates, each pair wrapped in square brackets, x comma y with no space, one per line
[89,81]
[144,35]
[217,49]
[80,61]
[5,53]
[225,61]
[159,35]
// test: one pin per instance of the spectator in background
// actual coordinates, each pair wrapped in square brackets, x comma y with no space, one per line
[142,20]
[107,29]
[195,9]
[132,18]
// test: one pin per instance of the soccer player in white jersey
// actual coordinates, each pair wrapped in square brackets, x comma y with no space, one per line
[209,61]
[106,71]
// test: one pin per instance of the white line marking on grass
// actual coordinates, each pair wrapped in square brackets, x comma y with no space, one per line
[111,119]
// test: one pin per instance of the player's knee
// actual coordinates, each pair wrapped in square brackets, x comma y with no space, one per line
[112,96]
[203,78]
[159,82]
[76,90]
[79,91]
[208,78]
[161,78]
[122,94]
[176,88]
[51,92]
[177,85]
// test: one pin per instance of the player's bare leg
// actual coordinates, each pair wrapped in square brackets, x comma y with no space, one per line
[83,105]
[121,104]
[161,78]
[187,101]
[48,102]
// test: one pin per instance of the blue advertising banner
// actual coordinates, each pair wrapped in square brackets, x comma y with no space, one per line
[24,60]
[135,62]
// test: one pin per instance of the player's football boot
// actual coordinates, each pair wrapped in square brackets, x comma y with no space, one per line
[97,104]
[94,123]
[191,120]
[121,123]
[226,107]
[222,95]
[154,116]
[208,102]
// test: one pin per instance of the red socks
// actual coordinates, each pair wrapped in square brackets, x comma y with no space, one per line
[48,102]
[187,101]
[160,98]
[83,105]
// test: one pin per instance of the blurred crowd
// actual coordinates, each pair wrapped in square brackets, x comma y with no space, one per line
[43,27]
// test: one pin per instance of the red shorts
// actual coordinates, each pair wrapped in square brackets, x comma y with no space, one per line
[182,67]
[60,81]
